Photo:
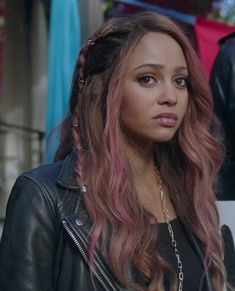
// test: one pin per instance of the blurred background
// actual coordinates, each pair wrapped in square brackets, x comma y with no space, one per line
[39,43]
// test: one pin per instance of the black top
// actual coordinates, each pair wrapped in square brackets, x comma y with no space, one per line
[192,267]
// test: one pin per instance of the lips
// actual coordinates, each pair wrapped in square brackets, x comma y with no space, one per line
[166,119]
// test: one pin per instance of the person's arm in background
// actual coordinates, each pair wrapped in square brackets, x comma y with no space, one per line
[229,254]
[223,87]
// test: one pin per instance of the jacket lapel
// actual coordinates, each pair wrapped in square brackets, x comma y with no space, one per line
[78,229]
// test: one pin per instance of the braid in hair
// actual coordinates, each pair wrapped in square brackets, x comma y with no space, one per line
[86,66]
[77,124]
[79,74]
[79,78]
[70,125]
[79,81]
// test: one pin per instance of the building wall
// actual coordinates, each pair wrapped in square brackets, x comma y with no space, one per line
[91,16]
[15,104]
[25,84]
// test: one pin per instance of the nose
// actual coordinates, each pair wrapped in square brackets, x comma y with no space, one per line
[168,95]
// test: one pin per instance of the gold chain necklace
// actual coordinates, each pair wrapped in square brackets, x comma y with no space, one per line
[170,230]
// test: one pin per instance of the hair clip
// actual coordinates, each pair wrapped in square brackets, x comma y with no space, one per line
[75,125]
[90,42]
[84,188]
[81,80]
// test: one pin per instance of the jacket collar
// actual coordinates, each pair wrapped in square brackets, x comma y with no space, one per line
[67,176]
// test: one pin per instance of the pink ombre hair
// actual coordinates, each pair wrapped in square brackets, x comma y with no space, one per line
[188,163]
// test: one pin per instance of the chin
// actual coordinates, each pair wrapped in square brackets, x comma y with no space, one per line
[165,135]
[163,140]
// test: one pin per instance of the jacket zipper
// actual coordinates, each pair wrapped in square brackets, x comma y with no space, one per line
[86,258]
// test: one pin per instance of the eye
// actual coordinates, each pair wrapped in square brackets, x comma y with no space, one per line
[146,80]
[181,82]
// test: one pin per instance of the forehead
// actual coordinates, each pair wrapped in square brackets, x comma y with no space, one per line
[156,47]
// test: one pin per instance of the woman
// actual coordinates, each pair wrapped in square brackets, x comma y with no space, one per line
[128,204]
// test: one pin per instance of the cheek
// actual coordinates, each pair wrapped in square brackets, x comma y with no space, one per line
[131,112]
[128,111]
[131,103]
[184,104]
[138,100]
[183,107]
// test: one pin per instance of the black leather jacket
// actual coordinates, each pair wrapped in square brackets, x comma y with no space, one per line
[223,88]
[45,238]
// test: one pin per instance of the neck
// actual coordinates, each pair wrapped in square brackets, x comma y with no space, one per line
[144,177]
[141,159]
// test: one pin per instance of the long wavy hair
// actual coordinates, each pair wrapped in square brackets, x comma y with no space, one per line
[187,163]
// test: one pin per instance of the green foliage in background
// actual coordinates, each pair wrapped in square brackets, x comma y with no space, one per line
[108,5]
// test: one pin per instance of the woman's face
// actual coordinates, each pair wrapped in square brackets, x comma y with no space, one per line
[155,94]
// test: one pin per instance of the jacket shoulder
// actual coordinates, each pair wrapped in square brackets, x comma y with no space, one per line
[52,184]
[44,177]
[44,171]
[41,181]
[30,232]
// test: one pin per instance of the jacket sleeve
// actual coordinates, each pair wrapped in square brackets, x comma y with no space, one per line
[223,86]
[28,240]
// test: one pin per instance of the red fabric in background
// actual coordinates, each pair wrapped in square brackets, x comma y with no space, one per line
[208,33]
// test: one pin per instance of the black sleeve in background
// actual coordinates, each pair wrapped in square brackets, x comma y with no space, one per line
[222,81]
[229,254]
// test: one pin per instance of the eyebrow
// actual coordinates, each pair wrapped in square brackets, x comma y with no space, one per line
[160,67]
